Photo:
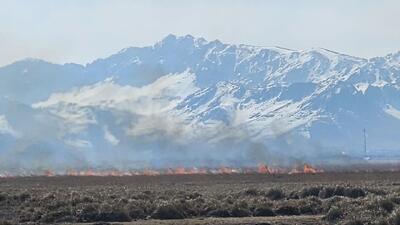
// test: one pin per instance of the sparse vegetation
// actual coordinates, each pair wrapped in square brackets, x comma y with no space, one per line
[122,199]
[275,194]
[334,214]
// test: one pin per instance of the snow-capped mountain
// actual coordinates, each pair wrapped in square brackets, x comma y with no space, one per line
[191,101]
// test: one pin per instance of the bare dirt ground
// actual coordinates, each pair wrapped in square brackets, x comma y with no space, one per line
[326,198]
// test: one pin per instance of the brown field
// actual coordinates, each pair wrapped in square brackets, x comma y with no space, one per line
[325,198]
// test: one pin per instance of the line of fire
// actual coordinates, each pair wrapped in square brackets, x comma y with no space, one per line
[260,169]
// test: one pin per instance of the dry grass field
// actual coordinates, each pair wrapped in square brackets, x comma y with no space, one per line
[325,198]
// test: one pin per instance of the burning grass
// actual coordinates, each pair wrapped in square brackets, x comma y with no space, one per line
[260,169]
[341,199]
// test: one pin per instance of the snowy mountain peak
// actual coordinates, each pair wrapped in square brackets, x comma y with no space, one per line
[393,58]
[186,96]
[187,40]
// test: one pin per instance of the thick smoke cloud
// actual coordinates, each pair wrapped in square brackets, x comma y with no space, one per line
[109,126]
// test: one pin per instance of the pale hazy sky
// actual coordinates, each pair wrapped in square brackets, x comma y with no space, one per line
[83,30]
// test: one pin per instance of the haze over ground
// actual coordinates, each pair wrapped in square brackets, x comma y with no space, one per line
[208,94]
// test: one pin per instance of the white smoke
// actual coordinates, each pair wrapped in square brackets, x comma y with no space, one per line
[5,127]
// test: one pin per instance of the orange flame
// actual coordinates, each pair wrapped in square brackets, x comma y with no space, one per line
[259,169]
[149,172]
[180,171]
[224,170]
[309,169]
[48,173]
[263,169]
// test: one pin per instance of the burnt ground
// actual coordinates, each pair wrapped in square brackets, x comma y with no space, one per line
[326,198]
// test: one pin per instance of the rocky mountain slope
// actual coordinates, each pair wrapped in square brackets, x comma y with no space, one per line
[186,100]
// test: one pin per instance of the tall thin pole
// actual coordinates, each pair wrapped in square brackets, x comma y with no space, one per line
[365,143]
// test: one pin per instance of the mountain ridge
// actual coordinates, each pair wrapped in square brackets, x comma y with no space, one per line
[186,99]
[394,53]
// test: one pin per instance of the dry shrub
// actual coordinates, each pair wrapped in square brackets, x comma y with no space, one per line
[59,216]
[88,213]
[168,211]
[275,194]
[353,222]
[381,222]
[3,197]
[6,222]
[326,192]
[310,206]
[334,214]
[386,204]
[310,191]
[251,192]
[218,213]
[354,192]
[22,197]
[376,191]
[114,216]
[394,218]
[264,211]
[112,213]
[135,212]
[294,195]
[194,195]
[395,199]
[240,209]
[240,212]
[287,210]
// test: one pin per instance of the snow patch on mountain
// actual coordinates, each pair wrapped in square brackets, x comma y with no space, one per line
[187,96]
[362,87]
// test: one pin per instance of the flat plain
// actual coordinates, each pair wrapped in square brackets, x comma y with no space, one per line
[322,198]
